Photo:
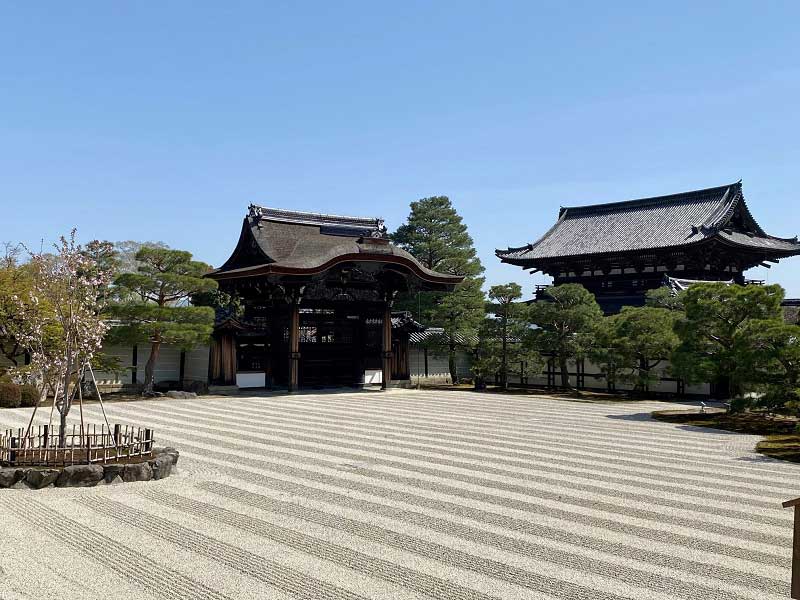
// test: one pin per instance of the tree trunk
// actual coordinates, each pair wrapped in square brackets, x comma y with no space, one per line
[452,363]
[62,430]
[562,365]
[150,367]
[63,410]
[504,357]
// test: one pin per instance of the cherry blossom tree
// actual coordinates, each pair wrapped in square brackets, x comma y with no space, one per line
[61,327]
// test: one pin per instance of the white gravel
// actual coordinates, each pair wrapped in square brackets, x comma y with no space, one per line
[409,494]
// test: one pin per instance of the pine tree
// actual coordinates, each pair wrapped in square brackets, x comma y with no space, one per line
[436,235]
[506,336]
[634,342]
[567,319]
[153,307]
[715,313]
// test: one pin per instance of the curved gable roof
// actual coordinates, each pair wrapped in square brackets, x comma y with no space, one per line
[300,243]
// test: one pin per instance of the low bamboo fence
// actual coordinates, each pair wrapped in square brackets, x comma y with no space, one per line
[87,444]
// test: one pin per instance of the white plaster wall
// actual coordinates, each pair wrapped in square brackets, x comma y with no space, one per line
[196,365]
[438,365]
[123,376]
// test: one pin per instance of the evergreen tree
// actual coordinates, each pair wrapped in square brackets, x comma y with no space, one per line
[715,313]
[664,297]
[568,318]
[634,342]
[506,336]
[436,236]
[154,304]
[768,358]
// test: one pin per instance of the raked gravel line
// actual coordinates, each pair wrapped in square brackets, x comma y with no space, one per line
[376,444]
[409,494]
[524,456]
[554,504]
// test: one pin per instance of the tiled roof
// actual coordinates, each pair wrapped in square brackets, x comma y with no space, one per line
[289,242]
[678,285]
[405,321]
[331,224]
[652,223]
[431,333]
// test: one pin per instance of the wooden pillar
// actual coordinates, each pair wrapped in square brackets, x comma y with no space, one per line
[796,547]
[386,346]
[294,346]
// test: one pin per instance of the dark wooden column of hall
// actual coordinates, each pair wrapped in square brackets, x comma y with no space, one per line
[386,339]
[386,345]
[294,339]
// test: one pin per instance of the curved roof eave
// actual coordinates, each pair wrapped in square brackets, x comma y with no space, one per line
[274,269]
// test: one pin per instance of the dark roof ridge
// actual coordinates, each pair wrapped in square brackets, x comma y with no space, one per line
[641,202]
[312,218]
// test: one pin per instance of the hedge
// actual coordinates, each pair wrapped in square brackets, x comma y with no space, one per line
[10,395]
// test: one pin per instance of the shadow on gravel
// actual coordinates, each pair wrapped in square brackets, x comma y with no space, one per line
[645,416]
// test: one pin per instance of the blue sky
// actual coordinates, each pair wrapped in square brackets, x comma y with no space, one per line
[163,121]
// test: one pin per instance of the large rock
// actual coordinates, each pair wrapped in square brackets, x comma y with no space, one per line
[112,472]
[137,472]
[80,476]
[168,451]
[41,478]
[162,466]
[10,476]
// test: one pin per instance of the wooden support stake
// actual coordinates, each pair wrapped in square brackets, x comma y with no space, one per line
[12,458]
[795,593]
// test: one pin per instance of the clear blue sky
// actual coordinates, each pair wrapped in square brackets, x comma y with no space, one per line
[164,120]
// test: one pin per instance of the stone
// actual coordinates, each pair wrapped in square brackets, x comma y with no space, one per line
[181,395]
[41,478]
[137,472]
[10,476]
[162,466]
[80,476]
[168,451]
[112,472]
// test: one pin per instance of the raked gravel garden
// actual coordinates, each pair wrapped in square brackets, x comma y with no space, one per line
[411,494]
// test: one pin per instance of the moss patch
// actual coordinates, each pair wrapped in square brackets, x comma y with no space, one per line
[784,447]
[781,442]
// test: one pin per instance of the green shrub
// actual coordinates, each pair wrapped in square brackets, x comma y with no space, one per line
[740,404]
[10,395]
[30,395]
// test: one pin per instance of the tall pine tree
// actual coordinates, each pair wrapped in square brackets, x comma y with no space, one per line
[436,235]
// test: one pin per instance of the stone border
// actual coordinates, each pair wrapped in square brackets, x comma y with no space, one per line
[157,467]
